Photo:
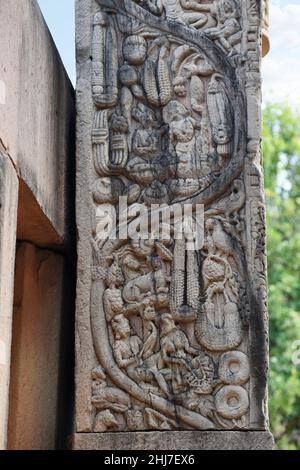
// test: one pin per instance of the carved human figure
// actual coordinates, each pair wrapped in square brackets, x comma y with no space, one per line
[150,331]
[182,137]
[146,139]
[220,247]
[133,267]
[146,163]
[104,62]
[112,299]
[227,31]
[105,221]
[175,10]
[131,88]
[178,356]
[154,285]
[126,347]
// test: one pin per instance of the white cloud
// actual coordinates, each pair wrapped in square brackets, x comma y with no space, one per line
[281,68]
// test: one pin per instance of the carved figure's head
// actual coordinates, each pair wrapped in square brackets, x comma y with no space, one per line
[157,263]
[149,313]
[121,327]
[230,9]
[167,324]
[222,134]
[180,85]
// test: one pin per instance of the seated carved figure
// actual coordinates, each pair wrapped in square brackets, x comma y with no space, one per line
[226,12]
[146,139]
[228,30]
[154,285]
[175,10]
[182,134]
[146,164]
[183,364]
[126,347]
[128,351]
[112,298]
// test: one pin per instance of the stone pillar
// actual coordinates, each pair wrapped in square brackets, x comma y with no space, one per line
[8,226]
[36,349]
[37,114]
[171,330]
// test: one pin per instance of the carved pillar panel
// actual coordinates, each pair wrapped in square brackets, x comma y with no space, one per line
[170,338]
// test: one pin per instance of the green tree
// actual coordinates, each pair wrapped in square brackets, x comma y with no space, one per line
[281,150]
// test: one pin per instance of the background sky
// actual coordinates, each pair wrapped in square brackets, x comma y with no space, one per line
[281,68]
[60,17]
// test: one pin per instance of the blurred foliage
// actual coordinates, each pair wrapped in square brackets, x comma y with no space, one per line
[281,149]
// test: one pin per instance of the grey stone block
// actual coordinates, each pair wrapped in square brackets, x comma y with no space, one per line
[178,440]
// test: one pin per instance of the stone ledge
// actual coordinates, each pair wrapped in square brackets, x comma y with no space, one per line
[175,440]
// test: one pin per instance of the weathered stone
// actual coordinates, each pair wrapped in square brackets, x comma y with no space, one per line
[170,440]
[37,113]
[171,334]
[8,227]
[35,372]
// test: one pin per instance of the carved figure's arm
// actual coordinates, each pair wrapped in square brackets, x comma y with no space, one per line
[197,5]
[122,363]
[155,6]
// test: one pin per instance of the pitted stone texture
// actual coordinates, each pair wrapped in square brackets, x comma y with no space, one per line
[168,105]
[183,440]
[35,368]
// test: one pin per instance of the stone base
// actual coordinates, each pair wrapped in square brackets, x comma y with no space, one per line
[175,440]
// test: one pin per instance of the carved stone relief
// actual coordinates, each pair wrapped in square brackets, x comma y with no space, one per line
[171,88]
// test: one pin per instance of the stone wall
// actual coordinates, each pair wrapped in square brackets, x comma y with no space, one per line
[37,206]
[38,109]
[38,308]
